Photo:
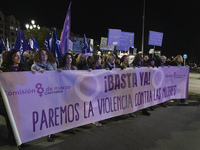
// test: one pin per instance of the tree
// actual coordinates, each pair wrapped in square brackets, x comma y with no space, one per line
[38,35]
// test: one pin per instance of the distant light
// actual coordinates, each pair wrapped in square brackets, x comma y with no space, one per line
[33,22]
[38,27]
[27,26]
[34,26]
[31,27]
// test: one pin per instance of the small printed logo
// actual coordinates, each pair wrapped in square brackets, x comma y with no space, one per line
[175,75]
[39,88]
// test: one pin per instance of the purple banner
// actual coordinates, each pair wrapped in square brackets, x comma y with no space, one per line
[113,37]
[38,106]
[126,41]
[155,38]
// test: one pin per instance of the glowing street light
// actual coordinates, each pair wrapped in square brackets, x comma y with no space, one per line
[38,27]
[27,26]
[32,25]
[33,22]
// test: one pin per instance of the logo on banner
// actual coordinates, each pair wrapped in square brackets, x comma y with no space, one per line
[175,75]
[50,90]
[39,89]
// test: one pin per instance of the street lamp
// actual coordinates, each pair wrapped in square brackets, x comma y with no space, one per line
[38,27]
[33,22]
[27,26]
[32,25]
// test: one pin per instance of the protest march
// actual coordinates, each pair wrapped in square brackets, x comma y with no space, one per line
[49,89]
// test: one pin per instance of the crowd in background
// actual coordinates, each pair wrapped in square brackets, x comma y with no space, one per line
[44,60]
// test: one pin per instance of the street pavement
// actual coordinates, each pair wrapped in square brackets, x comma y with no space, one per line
[194,83]
[175,127]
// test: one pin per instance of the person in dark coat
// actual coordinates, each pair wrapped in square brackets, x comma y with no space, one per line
[12,64]
[178,61]
[138,62]
[110,62]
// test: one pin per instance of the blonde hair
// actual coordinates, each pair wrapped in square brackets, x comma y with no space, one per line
[178,56]
[78,59]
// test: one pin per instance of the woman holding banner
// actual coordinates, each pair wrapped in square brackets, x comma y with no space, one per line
[13,63]
[95,63]
[81,62]
[110,62]
[124,64]
[66,62]
[43,60]
[138,62]
[178,61]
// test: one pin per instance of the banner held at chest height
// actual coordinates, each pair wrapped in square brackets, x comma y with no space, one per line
[46,103]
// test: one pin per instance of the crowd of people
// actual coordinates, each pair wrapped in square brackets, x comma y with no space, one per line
[43,60]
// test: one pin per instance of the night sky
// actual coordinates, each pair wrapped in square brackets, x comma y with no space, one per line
[179,20]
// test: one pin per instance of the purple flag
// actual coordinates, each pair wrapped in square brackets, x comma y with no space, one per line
[46,44]
[2,45]
[7,45]
[55,49]
[65,35]
[85,45]
[33,44]
[21,43]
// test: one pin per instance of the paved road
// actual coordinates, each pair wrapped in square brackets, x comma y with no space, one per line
[173,128]
[194,83]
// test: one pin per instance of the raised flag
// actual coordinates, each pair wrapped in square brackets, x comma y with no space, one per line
[33,44]
[21,43]
[2,45]
[55,49]
[85,45]
[7,45]
[46,44]
[65,35]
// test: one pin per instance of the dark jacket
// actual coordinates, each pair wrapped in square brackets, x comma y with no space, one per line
[106,65]
[22,67]
[82,66]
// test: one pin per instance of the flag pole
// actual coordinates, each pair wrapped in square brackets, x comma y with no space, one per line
[143,17]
